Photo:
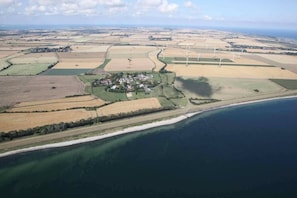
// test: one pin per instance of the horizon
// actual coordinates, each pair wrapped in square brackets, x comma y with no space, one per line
[170,13]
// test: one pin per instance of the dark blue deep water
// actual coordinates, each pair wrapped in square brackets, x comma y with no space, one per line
[247,151]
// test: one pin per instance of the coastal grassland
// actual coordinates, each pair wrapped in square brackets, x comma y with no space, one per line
[225,88]
[58,104]
[25,69]
[286,83]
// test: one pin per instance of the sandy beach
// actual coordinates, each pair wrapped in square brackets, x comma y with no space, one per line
[173,117]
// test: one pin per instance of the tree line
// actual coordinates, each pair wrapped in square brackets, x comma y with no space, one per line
[62,126]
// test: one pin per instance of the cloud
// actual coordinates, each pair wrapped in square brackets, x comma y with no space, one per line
[207,18]
[6,2]
[74,7]
[190,4]
[168,7]
[162,6]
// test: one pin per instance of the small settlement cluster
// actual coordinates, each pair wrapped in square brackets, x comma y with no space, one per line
[127,82]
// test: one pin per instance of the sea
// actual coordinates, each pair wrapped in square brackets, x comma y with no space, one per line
[243,151]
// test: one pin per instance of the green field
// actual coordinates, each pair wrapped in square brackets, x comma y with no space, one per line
[165,90]
[3,64]
[25,69]
[288,84]
[217,60]
[90,78]
[106,95]
[64,72]
[205,61]
[106,61]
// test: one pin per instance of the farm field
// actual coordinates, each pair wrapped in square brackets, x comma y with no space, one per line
[288,84]
[3,64]
[32,101]
[129,52]
[25,69]
[57,104]
[129,106]
[200,56]
[18,121]
[18,89]
[105,95]
[64,72]
[285,59]
[79,60]
[35,58]
[5,53]
[231,71]
[136,64]
[90,48]
[226,88]
[29,64]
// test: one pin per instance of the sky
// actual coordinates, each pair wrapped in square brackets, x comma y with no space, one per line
[276,14]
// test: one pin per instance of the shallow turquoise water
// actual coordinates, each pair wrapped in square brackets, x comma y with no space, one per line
[247,151]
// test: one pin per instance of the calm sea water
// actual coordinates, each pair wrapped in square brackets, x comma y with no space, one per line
[247,151]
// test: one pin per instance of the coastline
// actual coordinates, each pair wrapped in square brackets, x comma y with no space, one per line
[138,128]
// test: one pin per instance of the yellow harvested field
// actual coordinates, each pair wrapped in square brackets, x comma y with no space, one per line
[80,60]
[136,64]
[130,49]
[58,104]
[81,55]
[175,52]
[153,57]
[35,58]
[17,121]
[4,54]
[231,71]
[247,41]
[129,106]
[89,48]
[285,59]
[78,64]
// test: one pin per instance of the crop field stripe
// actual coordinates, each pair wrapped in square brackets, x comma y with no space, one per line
[106,61]
[25,69]
[62,72]
[203,59]
[223,64]
[288,84]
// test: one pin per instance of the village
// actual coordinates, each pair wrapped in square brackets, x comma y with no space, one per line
[127,82]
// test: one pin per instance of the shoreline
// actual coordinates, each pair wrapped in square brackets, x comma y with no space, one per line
[138,128]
